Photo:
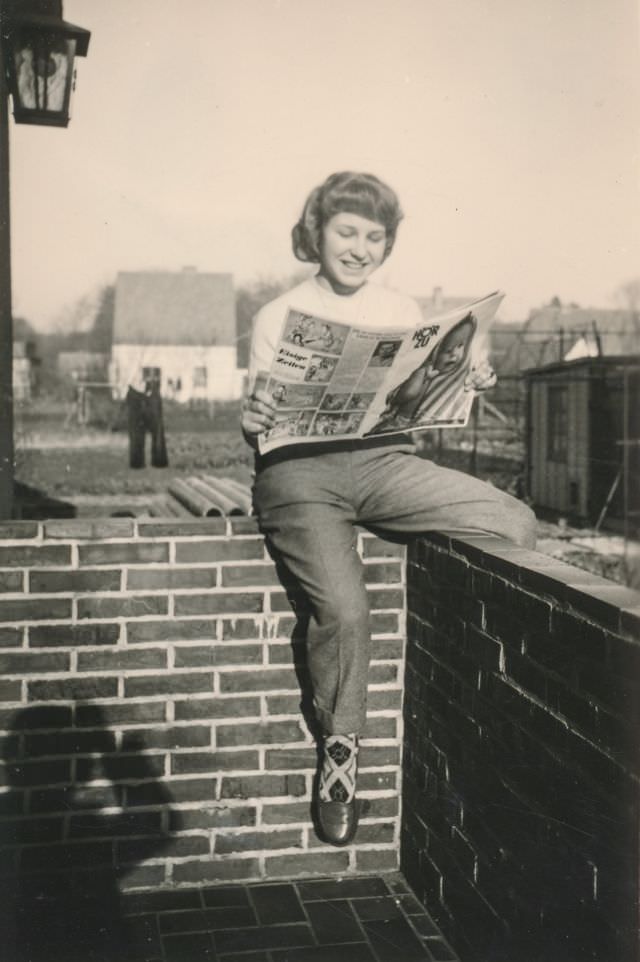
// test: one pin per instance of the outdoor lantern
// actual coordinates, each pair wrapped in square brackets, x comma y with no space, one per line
[40,51]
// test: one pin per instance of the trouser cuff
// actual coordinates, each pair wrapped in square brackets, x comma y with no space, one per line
[340,724]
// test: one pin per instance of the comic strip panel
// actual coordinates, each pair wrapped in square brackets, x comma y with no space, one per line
[320,369]
[361,402]
[331,424]
[384,353]
[292,425]
[315,334]
[334,402]
[287,395]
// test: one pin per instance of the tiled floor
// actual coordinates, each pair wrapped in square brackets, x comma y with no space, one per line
[363,919]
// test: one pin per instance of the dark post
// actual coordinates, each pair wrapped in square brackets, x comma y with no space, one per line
[475,418]
[6,321]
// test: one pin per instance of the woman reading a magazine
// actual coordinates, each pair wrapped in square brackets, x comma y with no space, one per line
[308,497]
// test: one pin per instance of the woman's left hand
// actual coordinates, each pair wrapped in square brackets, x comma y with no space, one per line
[480,378]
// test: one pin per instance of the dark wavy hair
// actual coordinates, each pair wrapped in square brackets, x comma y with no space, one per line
[355,193]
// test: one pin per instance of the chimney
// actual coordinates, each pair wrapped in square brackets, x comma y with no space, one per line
[437,297]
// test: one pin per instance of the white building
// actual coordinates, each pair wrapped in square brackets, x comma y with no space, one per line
[177,327]
[23,371]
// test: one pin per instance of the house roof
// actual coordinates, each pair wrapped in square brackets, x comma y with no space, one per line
[551,333]
[174,307]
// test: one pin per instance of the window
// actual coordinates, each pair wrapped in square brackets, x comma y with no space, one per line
[199,377]
[151,375]
[557,422]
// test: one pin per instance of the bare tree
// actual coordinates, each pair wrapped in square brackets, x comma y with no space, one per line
[628,296]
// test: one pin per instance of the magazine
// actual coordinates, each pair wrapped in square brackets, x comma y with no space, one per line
[331,380]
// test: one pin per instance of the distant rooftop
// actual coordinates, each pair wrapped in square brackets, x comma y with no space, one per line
[174,307]
[556,333]
[439,303]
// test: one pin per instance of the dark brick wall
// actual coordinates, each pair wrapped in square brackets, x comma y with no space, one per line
[150,723]
[521,768]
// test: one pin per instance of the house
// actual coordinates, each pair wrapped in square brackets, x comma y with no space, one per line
[178,328]
[564,332]
[83,365]
[583,439]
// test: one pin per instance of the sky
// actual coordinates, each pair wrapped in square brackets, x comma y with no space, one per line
[510,130]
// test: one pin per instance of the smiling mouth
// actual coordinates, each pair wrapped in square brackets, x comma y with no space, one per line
[353,265]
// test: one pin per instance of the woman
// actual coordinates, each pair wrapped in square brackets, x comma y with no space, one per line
[309,497]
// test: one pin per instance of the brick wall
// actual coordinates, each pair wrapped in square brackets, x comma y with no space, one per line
[150,707]
[521,771]
[152,735]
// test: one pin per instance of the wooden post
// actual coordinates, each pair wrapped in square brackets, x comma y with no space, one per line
[6,320]
[475,418]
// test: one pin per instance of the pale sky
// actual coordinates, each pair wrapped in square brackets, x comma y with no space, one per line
[509,128]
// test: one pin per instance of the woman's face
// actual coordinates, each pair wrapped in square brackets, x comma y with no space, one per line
[351,248]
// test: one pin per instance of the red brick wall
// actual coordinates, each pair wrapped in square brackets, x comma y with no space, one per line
[521,761]
[149,706]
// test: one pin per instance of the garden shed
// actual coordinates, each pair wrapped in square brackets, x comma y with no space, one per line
[583,439]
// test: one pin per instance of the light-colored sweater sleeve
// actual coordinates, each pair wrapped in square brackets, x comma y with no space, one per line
[266,329]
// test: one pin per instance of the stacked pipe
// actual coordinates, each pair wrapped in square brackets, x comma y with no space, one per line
[239,493]
[166,506]
[210,497]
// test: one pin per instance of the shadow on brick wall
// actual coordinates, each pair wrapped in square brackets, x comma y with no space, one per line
[72,828]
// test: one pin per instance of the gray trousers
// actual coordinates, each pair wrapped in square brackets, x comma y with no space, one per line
[307,508]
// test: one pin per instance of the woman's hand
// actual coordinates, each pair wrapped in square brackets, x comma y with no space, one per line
[480,378]
[258,415]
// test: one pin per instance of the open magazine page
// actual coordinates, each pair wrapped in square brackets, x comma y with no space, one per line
[430,384]
[329,380]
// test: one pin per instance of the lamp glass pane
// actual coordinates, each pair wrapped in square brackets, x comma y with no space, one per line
[43,72]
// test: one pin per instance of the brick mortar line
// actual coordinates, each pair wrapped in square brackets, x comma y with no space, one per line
[541,595]
[197,537]
[566,724]
[126,619]
[262,748]
[612,633]
[290,849]
[129,593]
[173,778]
[163,592]
[443,662]
[149,671]
[168,644]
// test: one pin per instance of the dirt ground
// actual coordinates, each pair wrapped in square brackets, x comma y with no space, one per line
[69,460]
